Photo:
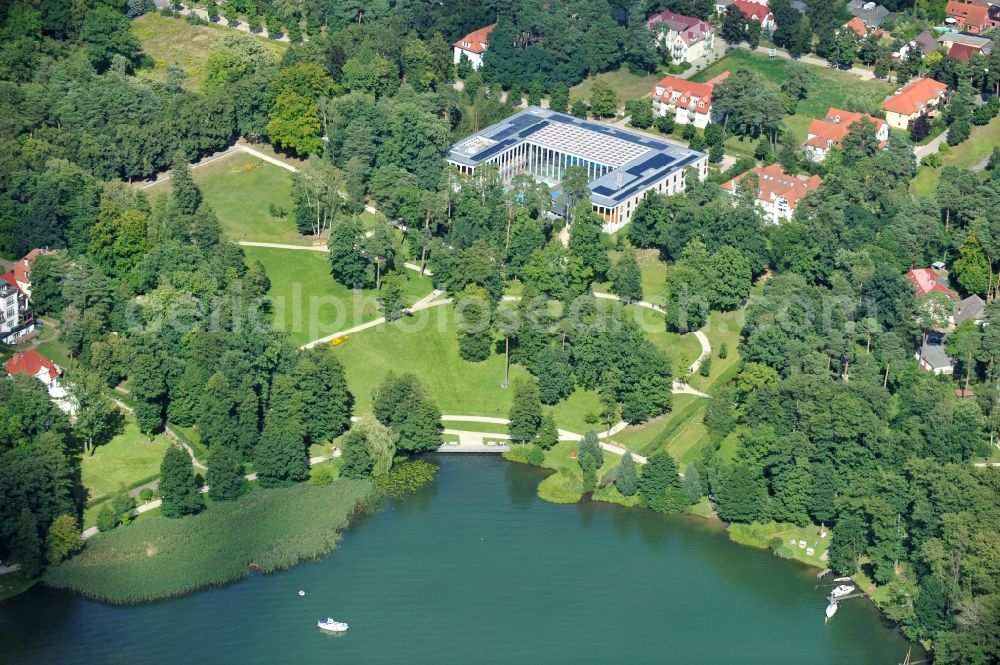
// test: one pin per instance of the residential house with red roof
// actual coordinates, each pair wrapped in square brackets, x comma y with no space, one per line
[916,98]
[969,16]
[22,269]
[473,46]
[857,26]
[779,193]
[34,364]
[756,12]
[824,134]
[686,38]
[689,102]
[926,280]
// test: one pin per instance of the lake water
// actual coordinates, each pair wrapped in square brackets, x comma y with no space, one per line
[477,569]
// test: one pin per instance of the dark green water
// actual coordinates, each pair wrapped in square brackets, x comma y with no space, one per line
[477,569]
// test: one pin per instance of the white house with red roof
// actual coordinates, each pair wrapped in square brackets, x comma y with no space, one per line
[473,46]
[779,193]
[689,102]
[756,12]
[829,132]
[916,98]
[686,38]
[33,363]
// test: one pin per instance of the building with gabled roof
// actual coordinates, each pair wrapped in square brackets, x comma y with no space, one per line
[969,16]
[622,166]
[779,193]
[926,280]
[33,364]
[824,134]
[756,12]
[920,97]
[686,38]
[871,13]
[690,102]
[22,269]
[473,46]
[857,26]
[15,316]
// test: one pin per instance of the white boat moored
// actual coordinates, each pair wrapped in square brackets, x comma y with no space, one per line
[831,609]
[842,590]
[331,625]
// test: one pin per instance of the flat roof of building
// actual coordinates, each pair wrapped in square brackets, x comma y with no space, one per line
[636,161]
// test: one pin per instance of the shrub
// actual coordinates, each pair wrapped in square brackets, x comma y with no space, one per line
[106,518]
[932,160]
[322,475]
[723,351]
[146,494]
[534,455]
[706,366]
[405,478]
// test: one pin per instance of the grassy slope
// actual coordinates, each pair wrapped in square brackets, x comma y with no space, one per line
[831,87]
[265,530]
[173,41]
[626,85]
[965,155]
[309,303]
[127,460]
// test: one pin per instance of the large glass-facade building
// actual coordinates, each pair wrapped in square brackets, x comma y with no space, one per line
[622,165]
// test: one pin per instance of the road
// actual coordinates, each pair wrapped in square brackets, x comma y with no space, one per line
[921,151]
[863,74]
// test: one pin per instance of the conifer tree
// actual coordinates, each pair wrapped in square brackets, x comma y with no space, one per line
[280,455]
[63,539]
[178,485]
[548,433]
[555,374]
[225,477]
[660,485]
[525,412]
[216,423]
[404,405]
[322,394]
[475,336]
[184,194]
[247,418]
[626,278]
[589,466]
[26,545]
[586,239]
[591,446]
[626,477]
[692,483]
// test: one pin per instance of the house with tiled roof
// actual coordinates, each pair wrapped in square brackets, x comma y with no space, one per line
[34,364]
[689,102]
[473,46]
[916,98]
[22,269]
[779,193]
[857,26]
[926,280]
[871,14]
[969,16]
[686,38]
[824,134]
[756,12]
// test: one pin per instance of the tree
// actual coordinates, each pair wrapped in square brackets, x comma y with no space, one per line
[184,193]
[741,495]
[579,109]
[405,405]
[97,417]
[591,446]
[280,456]
[392,297]
[347,263]
[178,485]
[920,128]
[525,412]
[216,423]
[603,100]
[626,477]
[734,26]
[965,343]
[972,268]
[225,477]
[660,485]
[294,123]
[848,544]
[475,336]
[589,467]
[369,448]
[548,434]
[26,545]
[586,239]
[317,191]
[148,387]
[380,249]
[63,539]
[692,483]
[555,373]
[626,278]
[559,99]
[107,33]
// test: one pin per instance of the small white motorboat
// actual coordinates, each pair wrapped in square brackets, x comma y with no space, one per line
[301,592]
[842,590]
[331,626]
[842,579]
[831,609]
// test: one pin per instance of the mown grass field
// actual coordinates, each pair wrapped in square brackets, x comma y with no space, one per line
[265,530]
[761,534]
[174,41]
[654,275]
[129,459]
[309,304]
[626,85]
[965,155]
[830,87]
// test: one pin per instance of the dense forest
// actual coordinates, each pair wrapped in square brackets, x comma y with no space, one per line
[831,420]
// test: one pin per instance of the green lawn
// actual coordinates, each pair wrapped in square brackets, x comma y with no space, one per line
[626,85]
[240,189]
[309,303]
[654,275]
[760,535]
[965,155]
[174,41]
[830,87]
[128,460]
[57,352]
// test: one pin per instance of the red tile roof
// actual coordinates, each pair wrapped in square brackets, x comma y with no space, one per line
[832,130]
[926,280]
[915,96]
[753,10]
[858,26]
[690,29]
[969,14]
[31,363]
[688,94]
[475,41]
[22,269]
[10,279]
[962,52]
[775,183]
